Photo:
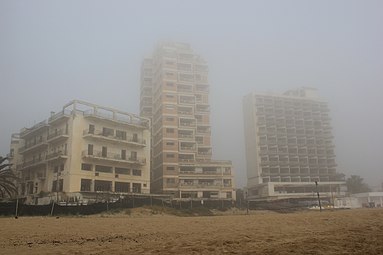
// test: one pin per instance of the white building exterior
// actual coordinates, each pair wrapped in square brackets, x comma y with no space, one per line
[289,146]
[369,199]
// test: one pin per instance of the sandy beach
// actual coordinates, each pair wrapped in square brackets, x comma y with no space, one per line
[142,232]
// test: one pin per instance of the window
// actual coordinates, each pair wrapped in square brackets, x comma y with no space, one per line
[90,149]
[122,187]
[107,131]
[170,130]
[120,170]
[137,187]
[136,172]
[104,169]
[57,186]
[135,138]
[104,152]
[168,155]
[86,167]
[170,143]
[102,185]
[85,184]
[133,155]
[120,135]
[170,168]
[91,129]
[123,154]
[62,167]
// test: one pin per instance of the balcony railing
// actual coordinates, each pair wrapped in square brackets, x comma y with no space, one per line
[65,113]
[57,154]
[186,159]
[114,157]
[26,131]
[102,135]
[187,124]
[185,136]
[201,185]
[57,134]
[191,172]
[33,162]
[33,145]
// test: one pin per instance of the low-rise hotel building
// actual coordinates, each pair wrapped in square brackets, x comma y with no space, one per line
[83,149]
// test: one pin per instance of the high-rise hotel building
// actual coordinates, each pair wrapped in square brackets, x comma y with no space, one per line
[83,150]
[175,96]
[289,146]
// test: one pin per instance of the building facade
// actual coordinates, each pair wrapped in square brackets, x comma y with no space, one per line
[83,149]
[175,96]
[289,146]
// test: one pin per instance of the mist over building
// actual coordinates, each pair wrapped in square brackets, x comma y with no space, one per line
[289,146]
[175,96]
[80,151]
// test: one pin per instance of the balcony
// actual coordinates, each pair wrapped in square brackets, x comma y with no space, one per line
[187,124]
[113,138]
[38,144]
[204,173]
[31,163]
[202,108]
[185,136]
[57,155]
[57,136]
[59,116]
[114,157]
[201,185]
[27,131]
[187,113]
[186,160]
[187,148]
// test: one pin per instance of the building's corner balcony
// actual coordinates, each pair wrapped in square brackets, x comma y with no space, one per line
[57,136]
[57,155]
[65,114]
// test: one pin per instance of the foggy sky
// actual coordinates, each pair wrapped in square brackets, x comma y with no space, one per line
[54,51]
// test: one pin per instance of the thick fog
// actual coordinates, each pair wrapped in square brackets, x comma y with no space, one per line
[54,51]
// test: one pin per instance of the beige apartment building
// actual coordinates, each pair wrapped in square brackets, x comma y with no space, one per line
[289,146]
[175,96]
[83,149]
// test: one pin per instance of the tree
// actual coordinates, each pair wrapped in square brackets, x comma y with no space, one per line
[355,184]
[7,179]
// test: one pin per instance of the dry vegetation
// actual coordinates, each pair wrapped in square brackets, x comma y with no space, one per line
[155,231]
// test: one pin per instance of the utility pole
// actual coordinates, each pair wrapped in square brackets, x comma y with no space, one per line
[57,186]
[17,203]
[320,206]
